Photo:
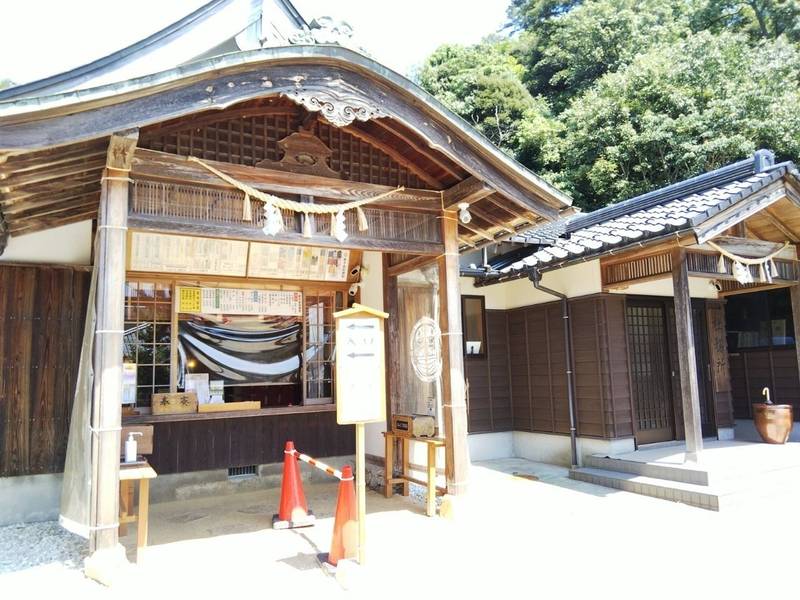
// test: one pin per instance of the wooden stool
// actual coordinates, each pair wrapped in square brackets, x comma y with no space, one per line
[405,478]
[128,474]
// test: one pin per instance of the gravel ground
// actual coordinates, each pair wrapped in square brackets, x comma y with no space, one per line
[26,546]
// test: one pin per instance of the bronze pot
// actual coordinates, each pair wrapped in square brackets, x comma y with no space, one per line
[773,421]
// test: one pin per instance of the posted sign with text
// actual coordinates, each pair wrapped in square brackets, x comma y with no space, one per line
[360,368]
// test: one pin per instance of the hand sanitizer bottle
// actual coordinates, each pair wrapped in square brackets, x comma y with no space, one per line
[131,451]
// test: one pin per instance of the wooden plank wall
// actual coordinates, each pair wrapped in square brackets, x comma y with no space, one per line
[536,382]
[719,364]
[489,400]
[183,446]
[42,313]
[752,370]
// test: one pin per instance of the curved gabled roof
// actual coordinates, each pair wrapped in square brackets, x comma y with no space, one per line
[213,25]
[306,74]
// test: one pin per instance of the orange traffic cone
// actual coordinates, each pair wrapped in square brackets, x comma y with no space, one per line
[345,524]
[293,510]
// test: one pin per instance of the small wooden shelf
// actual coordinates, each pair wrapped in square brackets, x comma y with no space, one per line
[233,414]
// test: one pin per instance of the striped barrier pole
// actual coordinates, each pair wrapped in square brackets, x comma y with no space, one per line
[316,463]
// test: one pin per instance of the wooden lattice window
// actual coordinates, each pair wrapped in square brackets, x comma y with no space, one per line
[319,344]
[148,336]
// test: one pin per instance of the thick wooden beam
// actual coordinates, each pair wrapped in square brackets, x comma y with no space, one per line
[26,178]
[493,221]
[411,264]
[253,234]
[36,161]
[690,395]
[780,225]
[72,205]
[106,418]
[470,190]
[748,247]
[453,381]
[67,193]
[33,225]
[421,150]
[151,164]
[392,153]
[55,186]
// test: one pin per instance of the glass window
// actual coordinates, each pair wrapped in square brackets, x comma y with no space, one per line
[147,339]
[759,319]
[474,323]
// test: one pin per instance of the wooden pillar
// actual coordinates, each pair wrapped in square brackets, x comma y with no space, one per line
[453,394]
[795,296]
[106,418]
[392,359]
[690,395]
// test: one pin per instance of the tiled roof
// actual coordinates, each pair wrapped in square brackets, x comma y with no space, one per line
[659,216]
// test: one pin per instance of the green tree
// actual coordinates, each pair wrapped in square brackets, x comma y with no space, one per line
[482,84]
[678,110]
[565,52]
[761,19]
[6,83]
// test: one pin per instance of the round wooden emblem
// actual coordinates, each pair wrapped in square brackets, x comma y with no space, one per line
[426,349]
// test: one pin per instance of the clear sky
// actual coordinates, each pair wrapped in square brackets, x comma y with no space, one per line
[43,37]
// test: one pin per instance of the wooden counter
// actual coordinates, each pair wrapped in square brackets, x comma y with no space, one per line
[233,414]
[199,442]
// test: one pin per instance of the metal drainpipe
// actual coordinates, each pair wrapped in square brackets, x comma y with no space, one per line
[536,278]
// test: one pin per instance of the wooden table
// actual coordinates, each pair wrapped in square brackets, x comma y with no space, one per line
[142,473]
[405,478]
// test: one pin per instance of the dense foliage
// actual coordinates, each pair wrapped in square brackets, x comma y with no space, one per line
[611,98]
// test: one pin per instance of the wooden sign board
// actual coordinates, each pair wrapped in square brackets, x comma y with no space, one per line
[164,253]
[360,366]
[280,261]
[239,301]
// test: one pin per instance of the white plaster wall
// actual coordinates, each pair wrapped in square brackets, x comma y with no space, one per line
[491,446]
[576,280]
[372,295]
[65,245]
[556,449]
[699,287]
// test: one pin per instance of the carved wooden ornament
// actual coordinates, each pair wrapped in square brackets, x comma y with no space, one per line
[339,108]
[303,152]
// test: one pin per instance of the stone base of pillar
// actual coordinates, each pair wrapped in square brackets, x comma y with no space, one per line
[109,566]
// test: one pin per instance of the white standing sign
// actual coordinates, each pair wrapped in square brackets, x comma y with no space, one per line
[360,368]
[360,388]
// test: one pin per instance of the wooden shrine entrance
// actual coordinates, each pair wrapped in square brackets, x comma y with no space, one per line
[286,174]
[654,369]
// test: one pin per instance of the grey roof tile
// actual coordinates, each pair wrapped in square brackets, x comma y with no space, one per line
[554,244]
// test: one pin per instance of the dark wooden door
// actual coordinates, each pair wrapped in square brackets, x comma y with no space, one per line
[651,373]
[701,353]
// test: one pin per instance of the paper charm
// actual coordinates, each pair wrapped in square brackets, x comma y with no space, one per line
[742,273]
[273,220]
[338,228]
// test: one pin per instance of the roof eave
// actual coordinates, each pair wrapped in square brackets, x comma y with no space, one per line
[34,109]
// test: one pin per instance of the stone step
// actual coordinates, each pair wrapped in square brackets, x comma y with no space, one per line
[677,473]
[747,492]
[700,496]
